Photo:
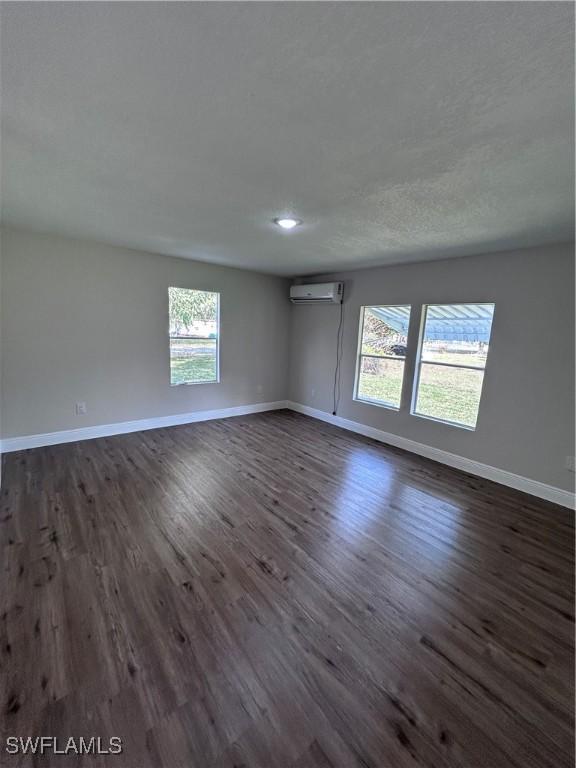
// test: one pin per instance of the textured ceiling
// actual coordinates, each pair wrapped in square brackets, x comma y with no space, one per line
[396,131]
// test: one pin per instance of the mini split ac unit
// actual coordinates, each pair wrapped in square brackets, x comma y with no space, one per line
[317,293]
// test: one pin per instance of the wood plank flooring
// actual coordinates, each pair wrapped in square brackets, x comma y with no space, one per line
[272,592]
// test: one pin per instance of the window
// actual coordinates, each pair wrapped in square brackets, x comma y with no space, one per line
[194,336]
[452,357]
[381,354]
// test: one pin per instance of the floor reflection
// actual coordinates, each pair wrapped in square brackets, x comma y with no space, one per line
[399,515]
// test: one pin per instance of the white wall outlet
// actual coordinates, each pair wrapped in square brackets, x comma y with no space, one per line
[259,389]
[313,394]
[571,463]
[81,409]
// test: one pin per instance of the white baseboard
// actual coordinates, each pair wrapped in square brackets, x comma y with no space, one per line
[123,427]
[502,476]
[533,487]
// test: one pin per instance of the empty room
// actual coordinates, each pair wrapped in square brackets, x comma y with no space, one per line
[287,349]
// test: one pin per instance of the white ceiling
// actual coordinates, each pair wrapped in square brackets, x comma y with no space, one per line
[397,131]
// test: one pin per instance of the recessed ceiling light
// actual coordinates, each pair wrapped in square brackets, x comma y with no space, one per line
[287,223]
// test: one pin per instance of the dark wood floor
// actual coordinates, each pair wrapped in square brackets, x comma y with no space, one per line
[270,591]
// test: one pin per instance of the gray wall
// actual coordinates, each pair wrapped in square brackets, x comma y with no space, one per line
[84,321]
[0,358]
[88,322]
[526,419]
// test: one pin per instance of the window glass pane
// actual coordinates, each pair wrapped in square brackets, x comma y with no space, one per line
[380,380]
[385,330]
[193,336]
[457,334]
[450,394]
[193,313]
[192,360]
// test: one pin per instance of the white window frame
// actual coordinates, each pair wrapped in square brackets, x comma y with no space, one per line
[359,356]
[216,380]
[420,362]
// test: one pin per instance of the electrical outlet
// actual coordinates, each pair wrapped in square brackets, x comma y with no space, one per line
[571,463]
[81,409]
[313,394]
[259,389]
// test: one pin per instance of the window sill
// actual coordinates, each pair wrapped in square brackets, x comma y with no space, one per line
[194,383]
[443,421]
[377,403]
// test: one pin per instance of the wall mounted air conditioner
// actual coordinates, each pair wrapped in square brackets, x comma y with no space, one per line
[317,293]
